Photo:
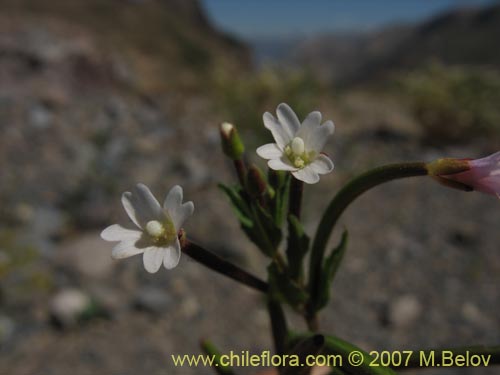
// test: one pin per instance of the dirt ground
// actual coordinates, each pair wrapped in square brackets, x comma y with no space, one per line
[422,268]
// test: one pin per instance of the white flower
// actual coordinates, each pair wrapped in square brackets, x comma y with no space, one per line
[298,146]
[157,228]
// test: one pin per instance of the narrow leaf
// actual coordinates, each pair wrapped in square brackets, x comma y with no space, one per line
[285,289]
[298,244]
[239,205]
[214,353]
[280,200]
[330,268]
[269,227]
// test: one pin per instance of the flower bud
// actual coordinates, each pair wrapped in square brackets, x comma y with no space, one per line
[256,182]
[231,142]
[447,166]
[481,174]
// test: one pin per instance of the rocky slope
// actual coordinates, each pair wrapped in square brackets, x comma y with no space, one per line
[459,37]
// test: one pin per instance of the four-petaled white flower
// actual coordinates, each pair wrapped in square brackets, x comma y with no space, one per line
[298,146]
[157,228]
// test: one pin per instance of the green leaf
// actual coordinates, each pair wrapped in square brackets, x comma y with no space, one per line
[238,203]
[337,346]
[285,289]
[214,353]
[342,350]
[298,244]
[279,203]
[330,267]
[267,225]
[245,216]
[259,240]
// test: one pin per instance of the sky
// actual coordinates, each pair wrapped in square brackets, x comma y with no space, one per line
[250,19]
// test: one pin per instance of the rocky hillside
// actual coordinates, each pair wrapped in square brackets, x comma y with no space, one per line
[460,37]
[163,42]
[90,89]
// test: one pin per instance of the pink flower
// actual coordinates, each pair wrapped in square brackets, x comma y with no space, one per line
[483,175]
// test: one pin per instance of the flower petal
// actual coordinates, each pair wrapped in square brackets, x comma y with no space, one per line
[288,119]
[270,151]
[116,232]
[131,208]
[306,174]
[125,249]
[180,215]
[322,164]
[489,165]
[141,206]
[279,133]
[317,138]
[150,205]
[172,255]
[173,198]
[280,165]
[178,211]
[153,258]
[310,123]
[488,185]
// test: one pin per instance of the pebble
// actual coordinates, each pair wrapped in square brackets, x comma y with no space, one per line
[67,306]
[153,300]
[89,255]
[7,328]
[404,311]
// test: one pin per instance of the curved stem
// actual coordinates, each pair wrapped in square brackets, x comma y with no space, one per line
[219,265]
[342,200]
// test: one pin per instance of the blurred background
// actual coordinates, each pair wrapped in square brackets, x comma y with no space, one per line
[97,95]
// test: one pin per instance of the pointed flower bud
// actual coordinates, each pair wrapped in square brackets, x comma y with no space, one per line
[231,142]
[256,182]
[480,174]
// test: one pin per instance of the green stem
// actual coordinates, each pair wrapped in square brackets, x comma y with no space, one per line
[239,166]
[278,325]
[295,252]
[419,358]
[217,264]
[342,200]
[311,346]
[295,198]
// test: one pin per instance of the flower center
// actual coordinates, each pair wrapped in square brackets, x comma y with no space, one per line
[298,146]
[296,153]
[161,233]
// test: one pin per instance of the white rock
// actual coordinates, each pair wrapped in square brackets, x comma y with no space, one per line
[68,305]
[89,255]
[404,311]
